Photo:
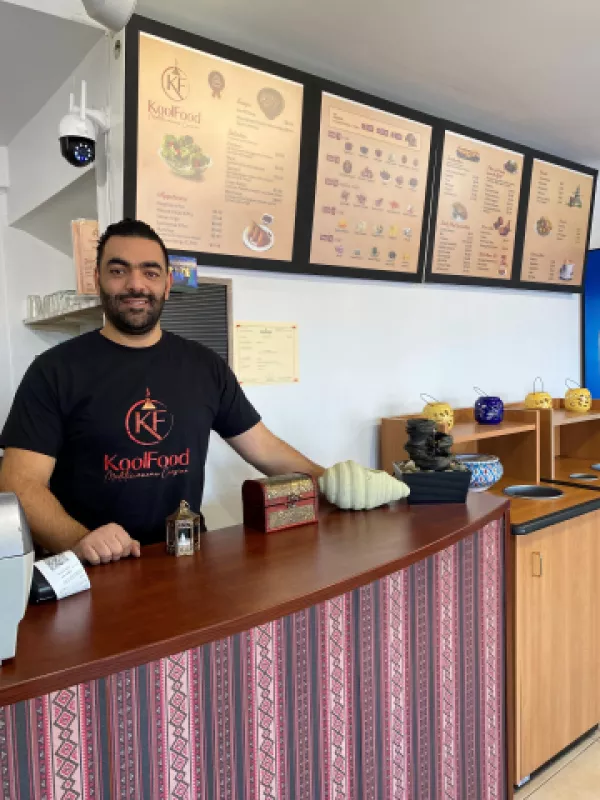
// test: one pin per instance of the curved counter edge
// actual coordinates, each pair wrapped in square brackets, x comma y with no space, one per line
[556,517]
[143,610]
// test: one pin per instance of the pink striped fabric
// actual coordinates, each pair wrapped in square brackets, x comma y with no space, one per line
[392,692]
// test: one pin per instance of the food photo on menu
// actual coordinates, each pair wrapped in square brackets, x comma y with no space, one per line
[478,203]
[218,152]
[372,179]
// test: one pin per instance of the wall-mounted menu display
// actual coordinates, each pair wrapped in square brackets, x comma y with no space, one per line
[477,209]
[372,181]
[557,225]
[218,152]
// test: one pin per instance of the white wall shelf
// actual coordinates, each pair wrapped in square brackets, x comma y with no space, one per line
[90,317]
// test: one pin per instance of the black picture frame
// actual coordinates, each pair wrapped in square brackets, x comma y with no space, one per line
[142,25]
[389,107]
[313,89]
[460,280]
[538,155]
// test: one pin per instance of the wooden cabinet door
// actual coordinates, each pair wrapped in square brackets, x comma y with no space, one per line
[556,639]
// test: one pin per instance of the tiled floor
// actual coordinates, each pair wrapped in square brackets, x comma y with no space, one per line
[576,776]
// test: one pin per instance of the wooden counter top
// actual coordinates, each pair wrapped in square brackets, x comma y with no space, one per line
[527,516]
[139,610]
[565,467]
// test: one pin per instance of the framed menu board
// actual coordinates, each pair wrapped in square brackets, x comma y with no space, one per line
[372,191]
[475,213]
[213,147]
[558,226]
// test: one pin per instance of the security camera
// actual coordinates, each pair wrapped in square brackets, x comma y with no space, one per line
[113,14]
[79,130]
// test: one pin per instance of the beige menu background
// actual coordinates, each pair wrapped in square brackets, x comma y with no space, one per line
[247,122]
[266,353]
[477,211]
[557,225]
[371,185]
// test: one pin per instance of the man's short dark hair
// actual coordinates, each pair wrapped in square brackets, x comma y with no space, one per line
[133,228]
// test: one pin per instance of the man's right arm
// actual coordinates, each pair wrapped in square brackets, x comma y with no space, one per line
[27,474]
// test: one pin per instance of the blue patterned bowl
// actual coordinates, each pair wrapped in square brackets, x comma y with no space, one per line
[485,470]
[489,410]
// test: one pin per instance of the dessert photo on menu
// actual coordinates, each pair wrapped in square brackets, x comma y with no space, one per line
[558,219]
[218,152]
[478,204]
[372,180]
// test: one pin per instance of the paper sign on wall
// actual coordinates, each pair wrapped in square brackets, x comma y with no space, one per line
[266,353]
[85,245]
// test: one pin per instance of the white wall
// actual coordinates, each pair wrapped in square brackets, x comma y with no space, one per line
[38,171]
[45,194]
[32,267]
[369,349]
[6,381]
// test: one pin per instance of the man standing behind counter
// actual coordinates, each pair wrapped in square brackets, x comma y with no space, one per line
[109,431]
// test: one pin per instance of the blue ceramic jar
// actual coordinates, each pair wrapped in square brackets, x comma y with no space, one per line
[489,410]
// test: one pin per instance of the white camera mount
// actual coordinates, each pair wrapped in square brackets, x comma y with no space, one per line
[113,14]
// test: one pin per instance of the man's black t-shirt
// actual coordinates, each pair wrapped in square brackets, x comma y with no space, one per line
[129,427]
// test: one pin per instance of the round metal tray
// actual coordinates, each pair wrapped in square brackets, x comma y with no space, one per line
[534,492]
[583,476]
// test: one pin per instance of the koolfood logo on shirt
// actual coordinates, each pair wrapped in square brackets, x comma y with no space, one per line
[147,423]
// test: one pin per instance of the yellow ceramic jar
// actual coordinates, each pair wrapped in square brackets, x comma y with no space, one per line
[538,399]
[577,399]
[441,413]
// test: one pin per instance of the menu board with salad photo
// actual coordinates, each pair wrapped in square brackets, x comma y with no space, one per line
[218,152]
[558,219]
[372,181]
[477,210]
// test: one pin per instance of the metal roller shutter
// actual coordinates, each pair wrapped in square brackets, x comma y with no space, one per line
[202,315]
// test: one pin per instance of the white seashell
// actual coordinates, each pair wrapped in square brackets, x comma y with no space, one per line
[349,486]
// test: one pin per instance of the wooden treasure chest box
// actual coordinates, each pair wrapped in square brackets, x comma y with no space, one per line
[285,501]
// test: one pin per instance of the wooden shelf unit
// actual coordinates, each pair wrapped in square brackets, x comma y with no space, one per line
[516,441]
[570,436]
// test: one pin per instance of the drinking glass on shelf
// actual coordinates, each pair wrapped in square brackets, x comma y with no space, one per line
[64,300]
[34,306]
[47,305]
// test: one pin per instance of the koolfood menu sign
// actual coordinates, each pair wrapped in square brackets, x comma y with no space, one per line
[218,152]
[478,204]
[557,225]
[371,187]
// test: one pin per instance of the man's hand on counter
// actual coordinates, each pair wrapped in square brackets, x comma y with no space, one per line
[108,543]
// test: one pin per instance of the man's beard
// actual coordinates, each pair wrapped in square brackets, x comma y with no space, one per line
[132,321]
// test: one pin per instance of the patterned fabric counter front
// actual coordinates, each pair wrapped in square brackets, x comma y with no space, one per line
[395,690]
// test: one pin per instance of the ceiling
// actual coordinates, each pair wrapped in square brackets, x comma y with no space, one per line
[38,52]
[524,69]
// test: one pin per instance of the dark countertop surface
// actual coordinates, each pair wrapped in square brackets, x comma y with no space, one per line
[527,516]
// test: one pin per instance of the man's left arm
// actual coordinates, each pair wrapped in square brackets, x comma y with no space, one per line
[271,455]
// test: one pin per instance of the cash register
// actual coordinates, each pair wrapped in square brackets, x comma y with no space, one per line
[16,571]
